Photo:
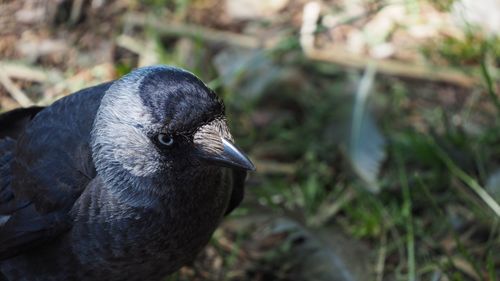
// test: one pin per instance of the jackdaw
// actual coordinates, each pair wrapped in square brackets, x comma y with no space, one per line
[126,180]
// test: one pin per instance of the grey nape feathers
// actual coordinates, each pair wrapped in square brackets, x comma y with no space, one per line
[126,180]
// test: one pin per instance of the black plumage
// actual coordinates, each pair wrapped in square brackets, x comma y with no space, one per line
[126,180]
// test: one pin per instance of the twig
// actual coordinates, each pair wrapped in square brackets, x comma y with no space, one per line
[311,13]
[29,73]
[130,43]
[272,167]
[146,51]
[76,11]
[328,211]
[464,266]
[16,93]
[334,54]
[194,31]
[339,55]
[380,265]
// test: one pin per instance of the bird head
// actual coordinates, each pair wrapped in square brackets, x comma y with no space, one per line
[158,119]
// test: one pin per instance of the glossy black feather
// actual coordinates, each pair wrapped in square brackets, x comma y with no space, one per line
[12,123]
[27,229]
[38,189]
[238,191]
[54,179]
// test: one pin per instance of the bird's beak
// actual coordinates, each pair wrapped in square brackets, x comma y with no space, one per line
[230,156]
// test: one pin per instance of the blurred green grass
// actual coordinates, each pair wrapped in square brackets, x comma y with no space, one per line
[432,219]
[428,204]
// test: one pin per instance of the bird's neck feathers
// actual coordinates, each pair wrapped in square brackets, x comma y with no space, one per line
[123,154]
[119,134]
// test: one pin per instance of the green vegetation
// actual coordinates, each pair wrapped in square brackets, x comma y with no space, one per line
[410,167]
[432,210]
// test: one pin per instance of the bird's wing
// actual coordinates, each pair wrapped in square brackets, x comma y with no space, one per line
[45,170]
[20,224]
[26,228]
[12,123]
[52,162]
[238,190]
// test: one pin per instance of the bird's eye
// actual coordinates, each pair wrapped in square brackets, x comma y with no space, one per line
[166,140]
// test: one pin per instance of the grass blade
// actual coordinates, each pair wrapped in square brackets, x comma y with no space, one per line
[468,180]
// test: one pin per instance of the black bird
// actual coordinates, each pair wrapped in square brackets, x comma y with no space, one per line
[126,180]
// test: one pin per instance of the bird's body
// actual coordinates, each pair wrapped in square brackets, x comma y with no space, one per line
[121,181]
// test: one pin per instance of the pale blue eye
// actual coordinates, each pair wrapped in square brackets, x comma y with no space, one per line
[166,140]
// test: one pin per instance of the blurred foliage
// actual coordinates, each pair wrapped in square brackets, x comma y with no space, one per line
[470,50]
[322,138]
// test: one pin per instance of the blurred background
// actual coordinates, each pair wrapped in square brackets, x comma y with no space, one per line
[374,125]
